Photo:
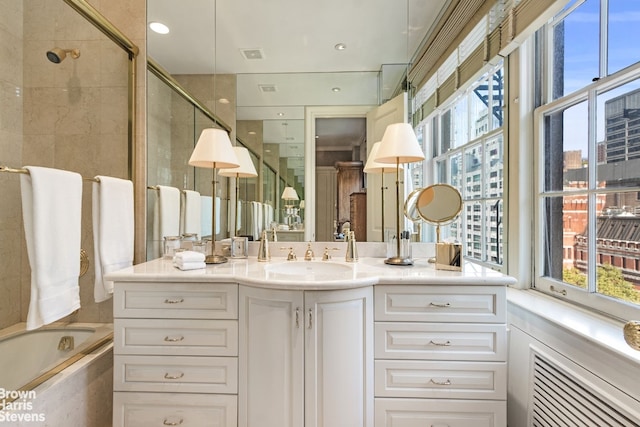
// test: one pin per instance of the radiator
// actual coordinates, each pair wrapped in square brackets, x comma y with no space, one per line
[563,395]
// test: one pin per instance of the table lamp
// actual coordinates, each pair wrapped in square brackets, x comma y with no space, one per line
[245,170]
[376,167]
[399,145]
[214,151]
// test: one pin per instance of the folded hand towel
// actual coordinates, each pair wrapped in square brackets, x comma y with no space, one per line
[51,211]
[191,265]
[166,216]
[188,256]
[190,213]
[113,231]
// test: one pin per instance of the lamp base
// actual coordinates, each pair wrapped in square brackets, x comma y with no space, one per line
[396,260]
[215,259]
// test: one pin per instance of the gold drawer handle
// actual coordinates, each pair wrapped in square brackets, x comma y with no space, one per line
[173,377]
[173,339]
[440,305]
[172,423]
[446,382]
[174,301]
[440,344]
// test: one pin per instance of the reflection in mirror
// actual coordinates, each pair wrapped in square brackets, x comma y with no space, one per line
[439,204]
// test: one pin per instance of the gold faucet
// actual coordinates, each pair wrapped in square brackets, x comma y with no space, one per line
[291,256]
[308,255]
[352,250]
[326,256]
[263,252]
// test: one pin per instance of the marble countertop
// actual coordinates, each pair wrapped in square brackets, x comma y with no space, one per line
[339,274]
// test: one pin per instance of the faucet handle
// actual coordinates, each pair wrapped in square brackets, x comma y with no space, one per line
[291,256]
[326,256]
[308,255]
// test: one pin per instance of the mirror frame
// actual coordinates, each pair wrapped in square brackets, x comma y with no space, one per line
[450,217]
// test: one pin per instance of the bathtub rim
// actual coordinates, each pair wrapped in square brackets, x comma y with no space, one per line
[105,339]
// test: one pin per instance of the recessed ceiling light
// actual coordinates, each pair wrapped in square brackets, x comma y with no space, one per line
[159,27]
[280,115]
[223,101]
[340,46]
[335,89]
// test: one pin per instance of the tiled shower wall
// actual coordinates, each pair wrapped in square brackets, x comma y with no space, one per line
[71,115]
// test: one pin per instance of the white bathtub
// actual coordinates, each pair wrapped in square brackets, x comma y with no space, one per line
[26,356]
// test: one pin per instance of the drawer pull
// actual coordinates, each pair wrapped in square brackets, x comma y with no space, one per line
[174,301]
[440,344]
[440,305]
[168,376]
[446,382]
[173,339]
[172,423]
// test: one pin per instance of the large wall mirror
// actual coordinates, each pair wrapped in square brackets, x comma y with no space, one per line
[281,75]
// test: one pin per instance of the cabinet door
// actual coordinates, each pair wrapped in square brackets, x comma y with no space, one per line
[271,356]
[339,358]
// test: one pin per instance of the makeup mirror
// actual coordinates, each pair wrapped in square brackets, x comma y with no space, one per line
[437,204]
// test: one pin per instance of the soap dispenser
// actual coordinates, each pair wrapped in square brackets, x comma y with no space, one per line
[264,254]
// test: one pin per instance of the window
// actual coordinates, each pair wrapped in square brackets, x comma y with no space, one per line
[468,154]
[588,161]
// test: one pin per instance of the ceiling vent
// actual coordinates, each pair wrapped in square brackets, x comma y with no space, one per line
[252,53]
[267,88]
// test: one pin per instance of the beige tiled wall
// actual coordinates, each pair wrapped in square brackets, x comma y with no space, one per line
[71,115]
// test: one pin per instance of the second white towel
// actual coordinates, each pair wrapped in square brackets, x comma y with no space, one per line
[113,230]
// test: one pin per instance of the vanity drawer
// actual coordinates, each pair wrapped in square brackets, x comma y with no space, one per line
[176,300]
[440,341]
[440,413]
[174,409]
[438,379]
[176,374]
[177,337]
[458,304]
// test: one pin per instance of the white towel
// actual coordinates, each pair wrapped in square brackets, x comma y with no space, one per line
[166,216]
[51,211]
[205,218]
[191,265]
[188,256]
[190,213]
[113,231]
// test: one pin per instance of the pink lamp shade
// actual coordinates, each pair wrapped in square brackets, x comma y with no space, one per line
[214,150]
[376,167]
[399,144]
[246,168]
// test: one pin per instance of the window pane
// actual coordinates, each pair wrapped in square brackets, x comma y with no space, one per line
[456,170]
[445,132]
[493,168]
[460,123]
[473,220]
[618,127]
[576,49]
[497,97]
[617,249]
[479,109]
[473,172]
[565,147]
[623,21]
[494,229]
[565,241]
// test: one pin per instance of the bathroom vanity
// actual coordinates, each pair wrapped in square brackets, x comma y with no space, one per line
[313,344]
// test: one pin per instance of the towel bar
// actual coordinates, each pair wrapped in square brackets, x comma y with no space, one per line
[11,170]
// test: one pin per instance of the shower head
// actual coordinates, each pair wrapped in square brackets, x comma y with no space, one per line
[57,55]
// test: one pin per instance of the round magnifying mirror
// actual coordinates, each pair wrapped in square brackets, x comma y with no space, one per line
[439,204]
[411,206]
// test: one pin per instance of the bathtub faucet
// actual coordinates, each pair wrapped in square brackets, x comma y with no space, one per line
[66,343]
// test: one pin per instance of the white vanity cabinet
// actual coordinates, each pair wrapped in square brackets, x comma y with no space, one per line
[440,356]
[305,358]
[175,354]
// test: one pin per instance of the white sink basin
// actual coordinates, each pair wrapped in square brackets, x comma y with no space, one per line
[309,269]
